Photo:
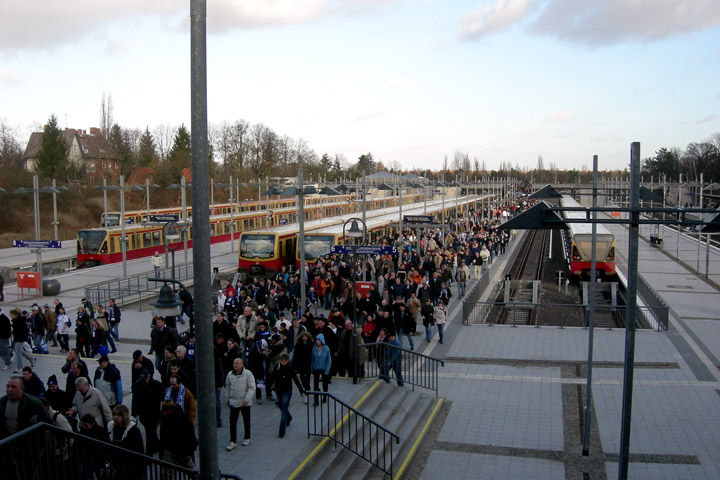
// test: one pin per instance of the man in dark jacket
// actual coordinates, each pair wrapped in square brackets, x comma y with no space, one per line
[20,336]
[29,410]
[283,377]
[140,363]
[161,337]
[177,436]
[32,385]
[5,334]
[147,396]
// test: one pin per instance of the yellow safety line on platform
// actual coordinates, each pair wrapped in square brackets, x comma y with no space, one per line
[326,439]
[417,440]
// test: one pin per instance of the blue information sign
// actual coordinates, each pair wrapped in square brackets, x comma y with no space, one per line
[418,218]
[364,249]
[37,243]
[164,217]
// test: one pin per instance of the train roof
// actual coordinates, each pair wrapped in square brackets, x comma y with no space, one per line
[374,218]
[579,228]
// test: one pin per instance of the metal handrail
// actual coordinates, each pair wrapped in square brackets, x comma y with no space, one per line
[416,369]
[135,288]
[71,455]
[362,435]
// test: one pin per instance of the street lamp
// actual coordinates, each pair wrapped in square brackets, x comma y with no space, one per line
[36,203]
[166,305]
[355,232]
[105,188]
[182,186]
[232,207]
[146,187]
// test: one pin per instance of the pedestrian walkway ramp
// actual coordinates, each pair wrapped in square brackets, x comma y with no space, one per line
[375,437]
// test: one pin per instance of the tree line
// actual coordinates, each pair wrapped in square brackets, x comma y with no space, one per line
[698,158]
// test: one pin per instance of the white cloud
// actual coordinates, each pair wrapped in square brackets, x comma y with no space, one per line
[615,21]
[709,118]
[561,116]
[56,23]
[9,78]
[489,18]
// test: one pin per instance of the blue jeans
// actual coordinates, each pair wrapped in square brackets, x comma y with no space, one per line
[461,288]
[283,399]
[409,337]
[114,331]
[441,330]
[328,300]
[428,333]
[218,410]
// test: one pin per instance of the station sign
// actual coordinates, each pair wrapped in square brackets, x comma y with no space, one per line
[37,243]
[283,221]
[418,218]
[165,217]
[364,249]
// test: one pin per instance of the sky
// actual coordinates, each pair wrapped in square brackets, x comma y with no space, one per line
[410,81]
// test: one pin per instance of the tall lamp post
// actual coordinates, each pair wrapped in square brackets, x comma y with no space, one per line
[36,203]
[230,186]
[105,188]
[183,186]
[355,232]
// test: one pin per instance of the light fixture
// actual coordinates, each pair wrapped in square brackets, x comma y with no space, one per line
[166,305]
[354,230]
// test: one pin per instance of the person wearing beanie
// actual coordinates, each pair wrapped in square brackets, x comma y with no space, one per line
[58,399]
[140,363]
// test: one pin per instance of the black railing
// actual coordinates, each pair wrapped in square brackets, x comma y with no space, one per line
[45,451]
[415,368]
[347,427]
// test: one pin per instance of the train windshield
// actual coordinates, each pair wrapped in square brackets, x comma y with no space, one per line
[90,241]
[317,245]
[257,246]
[111,219]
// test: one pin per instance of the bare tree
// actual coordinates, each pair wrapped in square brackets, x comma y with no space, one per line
[164,135]
[106,114]
[11,150]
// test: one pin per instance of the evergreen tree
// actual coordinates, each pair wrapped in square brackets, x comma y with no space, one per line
[52,157]
[147,154]
[170,170]
[120,142]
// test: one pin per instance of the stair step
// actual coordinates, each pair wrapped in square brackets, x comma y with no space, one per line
[324,458]
[382,411]
[400,419]
[409,434]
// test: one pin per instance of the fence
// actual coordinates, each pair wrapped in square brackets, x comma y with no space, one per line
[656,307]
[416,369]
[557,315]
[136,288]
[350,429]
[45,451]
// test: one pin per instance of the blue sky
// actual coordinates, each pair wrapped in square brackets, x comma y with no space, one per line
[410,81]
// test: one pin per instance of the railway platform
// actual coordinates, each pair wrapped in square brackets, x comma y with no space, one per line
[515,396]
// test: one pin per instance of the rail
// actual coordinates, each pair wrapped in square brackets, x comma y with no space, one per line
[415,368]
[657,308]
[349,428]
[136,288]
[559,315]
[46,451]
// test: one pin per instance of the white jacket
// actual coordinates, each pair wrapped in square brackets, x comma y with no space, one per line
[240,388]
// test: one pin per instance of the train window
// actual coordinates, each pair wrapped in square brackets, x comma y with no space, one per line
[146,240]
[113,242]
[156,238]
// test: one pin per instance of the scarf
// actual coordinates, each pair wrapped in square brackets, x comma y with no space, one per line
[180,401]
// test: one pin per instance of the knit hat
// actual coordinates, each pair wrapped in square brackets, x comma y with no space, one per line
[137,354]
[52,380]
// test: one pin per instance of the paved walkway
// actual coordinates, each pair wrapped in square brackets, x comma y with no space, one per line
[516,395]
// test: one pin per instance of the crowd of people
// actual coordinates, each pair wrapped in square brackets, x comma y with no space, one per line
[265,341]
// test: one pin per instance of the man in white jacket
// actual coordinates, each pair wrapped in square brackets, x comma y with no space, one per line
[240,385]
[157,262]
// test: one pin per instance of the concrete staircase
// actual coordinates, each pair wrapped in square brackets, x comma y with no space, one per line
[406,413]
